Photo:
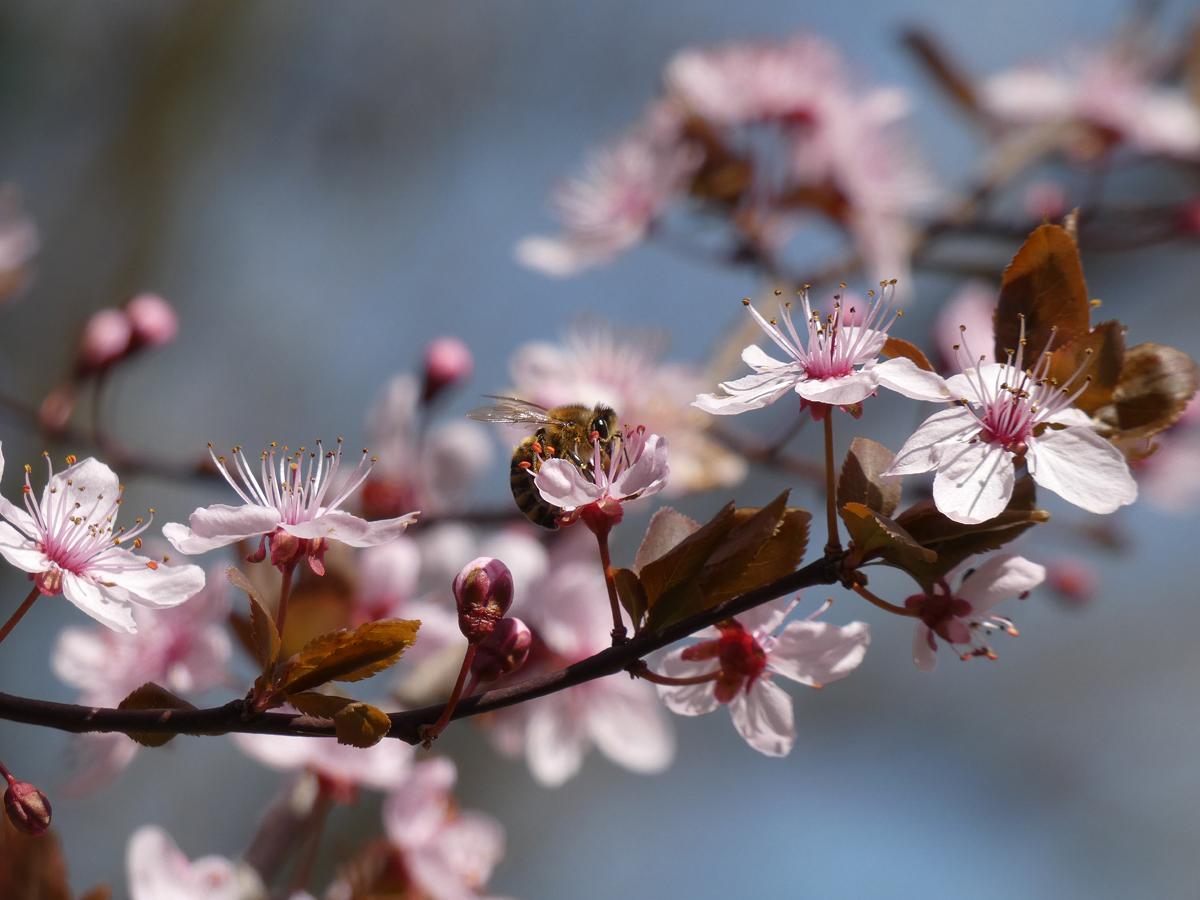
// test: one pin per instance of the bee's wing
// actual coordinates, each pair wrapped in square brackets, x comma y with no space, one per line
[512,410]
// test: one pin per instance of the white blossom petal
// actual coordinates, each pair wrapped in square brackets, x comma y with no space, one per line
[102,604]
[974,482]
[923,653]
[219,526]
[764,718]
[816,653]
[903,376]
[555,741]
[20,551]
[646,476]
[923,449]
[351,530]
[762,362]
[563,485]
[158,587]
[747,393]
[626,721]
[844,389]
[688,699]
[1003,576]
[1082,468]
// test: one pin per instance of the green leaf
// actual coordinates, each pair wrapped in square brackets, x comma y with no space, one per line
[861,481]
[152,696]
[263,633]
[347,655]
[1044,283]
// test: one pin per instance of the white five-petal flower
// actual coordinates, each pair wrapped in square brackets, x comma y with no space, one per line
[292,501]
[70,545]
[957,616]
[748,652]
[833,363]
[1010,413]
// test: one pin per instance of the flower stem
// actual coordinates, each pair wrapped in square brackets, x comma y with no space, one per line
[834,546]
[430,733]
[644,671]
[19,614]
[881,603]
[619,635]
[285,590]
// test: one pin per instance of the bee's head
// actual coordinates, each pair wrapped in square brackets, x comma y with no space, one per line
[604,422]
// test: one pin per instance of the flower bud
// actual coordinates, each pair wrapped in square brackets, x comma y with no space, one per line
[27,808]
[154,321]
[483,591]
[503,652]
[448,362]
[106,338]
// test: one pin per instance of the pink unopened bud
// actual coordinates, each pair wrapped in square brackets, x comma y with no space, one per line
[448,361]
[503,652]
[154,321]
[27,808]
[106,338]
[1072,580]
[483,591]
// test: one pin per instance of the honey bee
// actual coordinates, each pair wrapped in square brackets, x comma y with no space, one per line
[564,432]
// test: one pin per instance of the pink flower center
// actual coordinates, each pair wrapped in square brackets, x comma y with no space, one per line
[943,613]
[743,659]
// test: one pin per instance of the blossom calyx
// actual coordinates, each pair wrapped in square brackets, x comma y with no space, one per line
[502,652]
[483,591]
[27,807]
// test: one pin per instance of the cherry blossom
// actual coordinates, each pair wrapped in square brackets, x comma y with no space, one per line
[341,767]
[833,364]
[597,364]
[970,310]
[433,469]
[69,544]
[1007,414]
[290,506]
[568,611]
[185,649]
[958,616]
[637,467]
[611,207]
[747,652]
[446,853]
[158,870]
[1097,97]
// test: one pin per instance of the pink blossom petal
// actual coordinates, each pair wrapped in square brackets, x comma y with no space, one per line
[20,551]
[760,361]
[852,388]
[816,653]
[564,485]
[101,604]
[1001,577]
[19,517]
[1082,468]
[903,376]
[220,525]
[158,870]
[746,393]
[925,446]
[471,844]
[417,806]
[626,721]
[384,766]
[924,655]
[646,476]
[974,482]
[349,529]
[764,718]
[763,620]
[555,740]
[687,699]
[159,587]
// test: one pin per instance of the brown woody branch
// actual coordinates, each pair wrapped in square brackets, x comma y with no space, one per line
[234,717]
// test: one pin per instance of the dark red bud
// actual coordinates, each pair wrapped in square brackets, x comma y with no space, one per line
[483,592]
[503,652]
[284,547]
[27,808]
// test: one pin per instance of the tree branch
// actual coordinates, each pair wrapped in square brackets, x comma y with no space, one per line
[233,716]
